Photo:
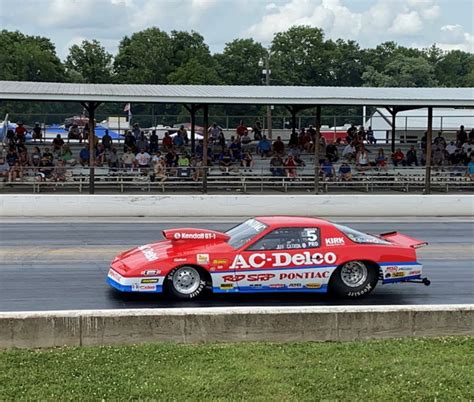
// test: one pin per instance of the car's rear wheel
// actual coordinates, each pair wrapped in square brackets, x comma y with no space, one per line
[354,279]
[186,282]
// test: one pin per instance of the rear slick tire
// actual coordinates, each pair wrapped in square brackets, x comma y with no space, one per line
[353,279]
[185,282]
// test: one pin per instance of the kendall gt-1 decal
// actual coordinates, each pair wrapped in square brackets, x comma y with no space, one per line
[259,260]
[194,236]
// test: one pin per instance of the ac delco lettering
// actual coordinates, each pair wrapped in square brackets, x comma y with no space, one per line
[258,260]
[306,275]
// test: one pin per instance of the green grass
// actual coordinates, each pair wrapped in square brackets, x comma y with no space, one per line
[407,369]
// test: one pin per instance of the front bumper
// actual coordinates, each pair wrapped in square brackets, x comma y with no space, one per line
[143,284]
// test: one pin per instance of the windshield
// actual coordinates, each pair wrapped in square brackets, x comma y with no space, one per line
[243,233]
[360,237]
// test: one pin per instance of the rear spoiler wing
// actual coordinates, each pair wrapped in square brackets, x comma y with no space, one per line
[403,240]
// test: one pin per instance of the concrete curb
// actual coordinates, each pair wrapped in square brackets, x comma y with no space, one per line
[236,324]
[22,205]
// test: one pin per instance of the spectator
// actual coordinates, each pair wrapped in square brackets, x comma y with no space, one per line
[241,129]
[412,158]
[264,147]
[247,161]
[345,173]
[153,142]
[23,158]
[48,154]
[136,131]
[196,164]
[257,131]
[245,141]
[214,132]
[467,149]
[457,158]
[129,142]
[142,142]
[46,168]
[107,141]
[184,134]
[16,172]
[12,156]
[59,172]
[58,143]
[4,169]
[351,133]
[370,136]
[235,149]
[67,156]
[294,140]
[74,133]
[85,133]
[20,133]
[349,152]
[327,169]
[159,169]
[471,135]
[127,159]
[438,156]
[381,159]
[183,165]
[451,148]
[461,136]
[279,146]
[440,141]
[225,161]
[37,133]
[361,134]
[470,168]
[171,160]
[11,136]
[290,167]
[332,153]
[398,158]
[100,155]
[200,148]
[178,140]
[84,155]
[362,159]
[35,157]
[296,156]
[142,160]
[113,159]
[221,140]
[276,165]
[167,142]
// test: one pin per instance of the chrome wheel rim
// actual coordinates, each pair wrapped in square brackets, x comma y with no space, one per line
[354,274]
[186,280]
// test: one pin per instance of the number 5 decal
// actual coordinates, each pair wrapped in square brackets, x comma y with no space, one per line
[312,234]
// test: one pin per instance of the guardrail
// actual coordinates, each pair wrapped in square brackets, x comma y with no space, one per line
[234,178]
[232,324]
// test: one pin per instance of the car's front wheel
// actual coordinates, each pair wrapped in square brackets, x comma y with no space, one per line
[186,282]
[354,279]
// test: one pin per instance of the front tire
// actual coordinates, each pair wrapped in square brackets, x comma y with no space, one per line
[354,279]
[186,282]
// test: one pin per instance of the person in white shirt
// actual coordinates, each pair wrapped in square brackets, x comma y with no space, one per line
[143,159]
[349,152]
[451,148]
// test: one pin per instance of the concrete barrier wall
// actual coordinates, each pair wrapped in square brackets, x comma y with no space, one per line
[235,324]
[20,205]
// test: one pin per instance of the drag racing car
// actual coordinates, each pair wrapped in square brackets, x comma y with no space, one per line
[268,254]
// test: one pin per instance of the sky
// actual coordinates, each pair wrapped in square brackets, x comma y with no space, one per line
[414,23]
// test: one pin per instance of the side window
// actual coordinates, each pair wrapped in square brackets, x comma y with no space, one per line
[288,239]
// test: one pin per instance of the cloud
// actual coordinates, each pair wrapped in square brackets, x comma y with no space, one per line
[453,37]
[407,24]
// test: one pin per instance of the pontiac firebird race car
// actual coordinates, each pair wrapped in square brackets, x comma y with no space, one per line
[268,254]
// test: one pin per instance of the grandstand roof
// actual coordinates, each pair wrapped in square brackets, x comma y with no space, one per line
[223,94]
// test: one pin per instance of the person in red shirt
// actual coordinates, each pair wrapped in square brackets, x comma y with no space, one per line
[241,129]
[290,167]
[398,158]
[20,132]
[167,142]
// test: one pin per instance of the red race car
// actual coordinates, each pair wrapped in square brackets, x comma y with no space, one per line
[268,254]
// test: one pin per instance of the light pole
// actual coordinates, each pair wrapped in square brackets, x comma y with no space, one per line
[266,72]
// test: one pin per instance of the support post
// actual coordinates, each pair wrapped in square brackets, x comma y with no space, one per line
[394,117]
[293,119]
[269,108]
[192,111]
[316,149]
[429,138]
[91,107]
[205,146]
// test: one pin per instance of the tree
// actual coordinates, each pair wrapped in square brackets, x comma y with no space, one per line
[28,58]
[194,72]
[91,61]
[144,58]
[402,71]
[186,46]
[345,63]
[239,62]
[455,69]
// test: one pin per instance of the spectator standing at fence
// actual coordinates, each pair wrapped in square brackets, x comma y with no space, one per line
[332,153]
[461,136]
[370,136]
[398,158]
[153,142]
[412,158]
[257,131]
[241,129]
[351,133]
[84,156]
[345,173]
[362,159]
[381,159]
[20,133]
[37,133]
[58,143]
[107,141]
[264,147]
[136,131]
[277,165]
[279,146]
